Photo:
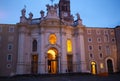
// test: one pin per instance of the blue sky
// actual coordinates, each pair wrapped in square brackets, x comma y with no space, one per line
[94,13]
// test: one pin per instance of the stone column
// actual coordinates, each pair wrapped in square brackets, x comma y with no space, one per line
[42,53]
[39,54]
[21,45]
[63,54]
[82,54]
[82,50]
[59,63]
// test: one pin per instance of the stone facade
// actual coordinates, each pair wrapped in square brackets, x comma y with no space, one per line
[56,43]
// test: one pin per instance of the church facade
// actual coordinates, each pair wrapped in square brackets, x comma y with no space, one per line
[56,43]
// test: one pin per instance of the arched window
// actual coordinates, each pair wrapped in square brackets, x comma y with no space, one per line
[69,46]
[52,39]
[34,46]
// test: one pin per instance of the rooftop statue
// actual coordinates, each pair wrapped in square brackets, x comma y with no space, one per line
[23,19]
[30,17]
[52,11]
[79,20]
[42,14]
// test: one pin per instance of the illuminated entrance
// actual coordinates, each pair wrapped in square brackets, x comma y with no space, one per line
[52,61]
[93,68]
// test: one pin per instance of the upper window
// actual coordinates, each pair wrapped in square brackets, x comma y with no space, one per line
[99,40]
[69,46]
[108,50]
[91,55]
[100,48]
[11,29]
[10,46]
[105,32]
[89,39]
[9,57]
[98,32]
[112,32]
[52,39]
[88,31]
[106,38]
[90,47]
[34,45]
[101,55]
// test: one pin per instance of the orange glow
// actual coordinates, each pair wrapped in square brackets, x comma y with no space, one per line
[69,46]
[93,67]
[101,65]
[52,52]
[52,39]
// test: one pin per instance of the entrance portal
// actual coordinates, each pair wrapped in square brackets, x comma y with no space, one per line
[93,68]
[69,63]
[110,66]
[52,61]
[34,64]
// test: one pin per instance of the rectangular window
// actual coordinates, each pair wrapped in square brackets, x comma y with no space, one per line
[106,38]
[91,56]
[98,32]
[100,55]
[108,50]
[112,32]
[11,29]
[10,46]
[99,40]
[88,31]
[99,48]
[9,57]
[90,47]
[105,32]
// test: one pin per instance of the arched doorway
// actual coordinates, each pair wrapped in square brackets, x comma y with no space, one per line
[52,54]
[93,68]
[110,66]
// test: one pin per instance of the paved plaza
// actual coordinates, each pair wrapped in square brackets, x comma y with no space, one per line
[74,77]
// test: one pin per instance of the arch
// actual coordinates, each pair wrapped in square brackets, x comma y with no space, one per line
[110,66]
[93,67]
[52,61]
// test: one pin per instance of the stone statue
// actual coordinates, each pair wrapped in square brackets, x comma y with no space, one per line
[78,16]
[42,14]
[79,20]
[23,19]
[52,11]
[30,16]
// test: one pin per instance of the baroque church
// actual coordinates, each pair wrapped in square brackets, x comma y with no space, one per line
[56,43]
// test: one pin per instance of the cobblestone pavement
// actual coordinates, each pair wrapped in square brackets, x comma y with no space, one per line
[113,77]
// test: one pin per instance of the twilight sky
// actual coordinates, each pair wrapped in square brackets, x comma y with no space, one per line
[94,13]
